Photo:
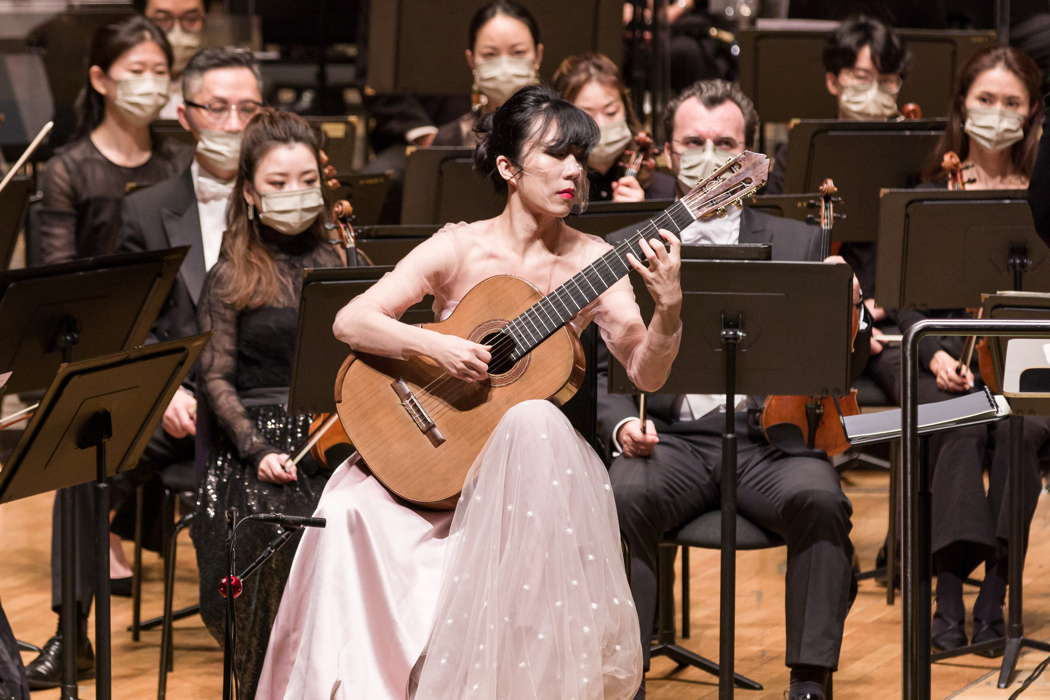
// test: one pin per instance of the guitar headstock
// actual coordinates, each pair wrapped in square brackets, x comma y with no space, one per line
[737,178]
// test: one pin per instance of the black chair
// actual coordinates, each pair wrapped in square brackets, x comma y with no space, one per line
[705,532]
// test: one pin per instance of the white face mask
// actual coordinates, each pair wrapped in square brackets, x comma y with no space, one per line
[993,127]
[183,45]
[696,164]
[219,151]
[614,138]
[141,97]
[867,102]
[499,78]
[293,211]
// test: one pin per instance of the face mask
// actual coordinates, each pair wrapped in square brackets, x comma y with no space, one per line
[866,103]
[141,97]
[614,138]
[291,212]
[698,164]
[183,45]
[219,151]
[499,78]
[993,127]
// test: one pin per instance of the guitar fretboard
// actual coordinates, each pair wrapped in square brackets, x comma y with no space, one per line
[557,308]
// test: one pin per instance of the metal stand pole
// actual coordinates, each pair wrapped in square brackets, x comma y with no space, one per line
[732,334]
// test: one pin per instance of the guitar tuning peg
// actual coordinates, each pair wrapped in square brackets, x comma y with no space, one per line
[738,204]
[721,211]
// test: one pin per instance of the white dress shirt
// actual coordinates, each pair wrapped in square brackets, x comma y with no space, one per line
[212,198]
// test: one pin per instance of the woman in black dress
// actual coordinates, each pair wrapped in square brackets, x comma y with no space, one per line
[250,303]
[112,150]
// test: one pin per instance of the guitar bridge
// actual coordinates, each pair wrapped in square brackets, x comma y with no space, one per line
[417,413]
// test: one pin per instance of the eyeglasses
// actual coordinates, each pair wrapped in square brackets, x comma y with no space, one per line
[888,82]
[192,21]
[217,109]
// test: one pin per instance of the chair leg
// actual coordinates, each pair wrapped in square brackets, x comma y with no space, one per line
[891,535]
[136,580]
[686,609]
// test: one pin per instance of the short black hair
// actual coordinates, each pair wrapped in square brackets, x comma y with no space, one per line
[213,58]
[887,52]
[511,8]
[531,111]
[140,5]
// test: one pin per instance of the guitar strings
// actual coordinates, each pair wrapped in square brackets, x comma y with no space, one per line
[504,348]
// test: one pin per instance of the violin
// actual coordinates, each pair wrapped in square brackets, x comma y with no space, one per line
[638,160]
[957,181]
[817,418]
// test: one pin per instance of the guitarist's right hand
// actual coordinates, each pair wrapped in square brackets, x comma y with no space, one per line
[461,358]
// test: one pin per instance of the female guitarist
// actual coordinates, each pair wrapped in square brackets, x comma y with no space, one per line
[520,592]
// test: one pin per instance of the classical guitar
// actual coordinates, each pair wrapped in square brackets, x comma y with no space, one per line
[419,430]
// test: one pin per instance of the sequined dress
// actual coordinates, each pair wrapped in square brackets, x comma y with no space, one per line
[246,369]
[520,594]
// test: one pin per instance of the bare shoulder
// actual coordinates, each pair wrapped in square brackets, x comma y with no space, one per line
[587,245]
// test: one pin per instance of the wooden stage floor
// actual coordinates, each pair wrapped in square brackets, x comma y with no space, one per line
[870,656]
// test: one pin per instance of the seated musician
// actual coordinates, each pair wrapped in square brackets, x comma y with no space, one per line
[865,65]
[592,82]
[83,186]
[504,54]
[994,128]
[520,594]
[250,303]
[182,22]
[666,473]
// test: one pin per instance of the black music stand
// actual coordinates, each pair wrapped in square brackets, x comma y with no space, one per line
[736,319]
[416,46]
[318,355]
[94,421]
[14,200]
[819,149]
[81,309]
[986,234]
[441,185]
[55,314]
[767,55]
[386,245]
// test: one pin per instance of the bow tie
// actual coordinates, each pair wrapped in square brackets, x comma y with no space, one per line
[209,190]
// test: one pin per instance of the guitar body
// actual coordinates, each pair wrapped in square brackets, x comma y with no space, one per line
[428,467]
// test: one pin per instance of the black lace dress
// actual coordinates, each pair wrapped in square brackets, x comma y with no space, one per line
[245,371]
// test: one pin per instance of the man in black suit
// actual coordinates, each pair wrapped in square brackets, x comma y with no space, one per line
[222,90]
[667,474]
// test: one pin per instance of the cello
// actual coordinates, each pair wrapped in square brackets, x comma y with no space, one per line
[817,418]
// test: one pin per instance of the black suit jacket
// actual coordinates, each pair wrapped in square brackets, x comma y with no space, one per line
[791,240]
[165,216]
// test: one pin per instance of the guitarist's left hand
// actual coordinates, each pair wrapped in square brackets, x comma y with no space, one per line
[662,276]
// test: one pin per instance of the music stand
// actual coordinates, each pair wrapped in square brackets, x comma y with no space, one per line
[819,149]
[767,55]
[737,317]
[441,185]
[109,405]
[366,192]
[986,234]
[416,46]
[14,200]
[386,245]
[318,355]
[85,308]
[54,314]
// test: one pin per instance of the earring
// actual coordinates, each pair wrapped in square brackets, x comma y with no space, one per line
[251,211]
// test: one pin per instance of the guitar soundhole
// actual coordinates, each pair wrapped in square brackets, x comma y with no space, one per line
[503,347]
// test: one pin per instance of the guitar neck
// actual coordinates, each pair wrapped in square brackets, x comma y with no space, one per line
[561,305]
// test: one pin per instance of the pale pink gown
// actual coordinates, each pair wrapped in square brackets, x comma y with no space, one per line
[520,593]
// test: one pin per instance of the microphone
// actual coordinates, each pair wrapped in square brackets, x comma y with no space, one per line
[287,520]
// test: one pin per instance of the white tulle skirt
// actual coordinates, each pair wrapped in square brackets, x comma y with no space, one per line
[520,595]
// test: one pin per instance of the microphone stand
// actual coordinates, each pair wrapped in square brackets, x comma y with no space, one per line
[232,585]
